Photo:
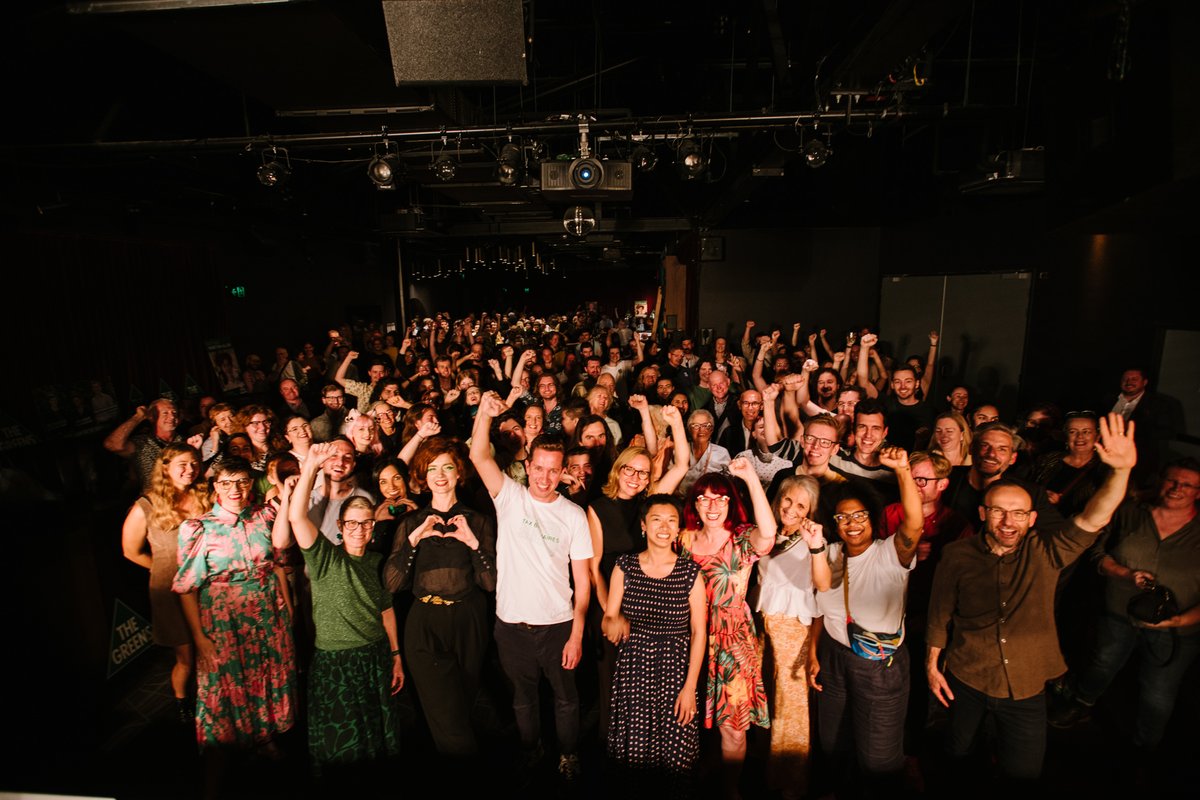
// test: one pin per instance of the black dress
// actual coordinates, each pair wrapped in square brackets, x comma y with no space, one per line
[643,734]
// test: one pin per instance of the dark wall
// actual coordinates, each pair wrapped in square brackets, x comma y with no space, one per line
[824,277]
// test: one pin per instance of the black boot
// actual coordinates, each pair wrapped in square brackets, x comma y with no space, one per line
[185,710]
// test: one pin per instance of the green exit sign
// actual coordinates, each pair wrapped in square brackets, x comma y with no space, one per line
[238,292]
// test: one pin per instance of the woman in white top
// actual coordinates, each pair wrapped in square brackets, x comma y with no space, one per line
[788,603]
[706,456]
[857,659]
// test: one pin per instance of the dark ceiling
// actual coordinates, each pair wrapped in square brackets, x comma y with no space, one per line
[149,107]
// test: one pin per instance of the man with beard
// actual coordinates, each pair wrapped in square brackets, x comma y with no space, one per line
[335,486]
[326,425]
[993,450]
[361,391]
[992,612]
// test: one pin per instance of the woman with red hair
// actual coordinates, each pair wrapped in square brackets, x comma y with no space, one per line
[723,541]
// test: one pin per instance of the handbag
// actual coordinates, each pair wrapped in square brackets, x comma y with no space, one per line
[864,643]
[1153,604]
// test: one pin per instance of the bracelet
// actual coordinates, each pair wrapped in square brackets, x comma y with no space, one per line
[816,550]
[395,652]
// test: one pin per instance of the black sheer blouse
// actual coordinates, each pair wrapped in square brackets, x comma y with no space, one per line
[442,566]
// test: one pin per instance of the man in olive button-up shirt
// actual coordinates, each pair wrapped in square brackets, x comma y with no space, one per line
[992,611]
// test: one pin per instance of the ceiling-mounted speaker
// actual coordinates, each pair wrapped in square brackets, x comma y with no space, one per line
[456,41]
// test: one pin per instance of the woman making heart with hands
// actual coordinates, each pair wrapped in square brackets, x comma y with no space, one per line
[445,553]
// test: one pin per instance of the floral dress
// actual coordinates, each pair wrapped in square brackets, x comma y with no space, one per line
[227,559]
[736,697]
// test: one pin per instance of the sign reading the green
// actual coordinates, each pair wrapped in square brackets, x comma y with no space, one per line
[131,636]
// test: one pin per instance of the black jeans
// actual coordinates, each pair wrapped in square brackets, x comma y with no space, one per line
[862,706]
[526,653]
[1020,728]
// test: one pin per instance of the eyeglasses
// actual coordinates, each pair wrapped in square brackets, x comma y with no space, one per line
[720,500]
[701,426]
[352,525]
[809,439]
[922,482]
[241,483]
[630,472]
[857,516]
[257,423]
[1018,514]
[1172,483]
[304,426]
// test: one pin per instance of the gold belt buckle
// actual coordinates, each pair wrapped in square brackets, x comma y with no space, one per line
[437,600]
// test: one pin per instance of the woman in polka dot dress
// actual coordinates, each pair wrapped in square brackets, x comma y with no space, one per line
[657,616]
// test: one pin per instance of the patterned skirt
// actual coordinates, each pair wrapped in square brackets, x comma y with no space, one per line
[352,715]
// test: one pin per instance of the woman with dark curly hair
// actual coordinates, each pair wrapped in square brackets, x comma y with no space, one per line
[446,554]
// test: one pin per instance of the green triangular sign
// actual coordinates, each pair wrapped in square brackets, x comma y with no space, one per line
[135,396]
[190,387]
[131,636]
[166,391]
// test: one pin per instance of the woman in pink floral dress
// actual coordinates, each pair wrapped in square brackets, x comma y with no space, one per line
[726,545]
[238,616]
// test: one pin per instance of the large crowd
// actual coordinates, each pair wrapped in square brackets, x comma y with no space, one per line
[774,533]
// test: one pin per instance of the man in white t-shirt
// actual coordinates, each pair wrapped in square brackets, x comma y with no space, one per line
[542,544]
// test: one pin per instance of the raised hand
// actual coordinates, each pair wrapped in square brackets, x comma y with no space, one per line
[838,358]
[791,383]
[491,405]
[869,339]
[452,395]
[894,458]
[812,533]
[638,401]
[197,441]
[428,428]
[933,338]
[770,392]
[809,366]
[671,414]
[353,354]
[775,335]
[742,468]
[1116,447]
[319,453]
[795,326]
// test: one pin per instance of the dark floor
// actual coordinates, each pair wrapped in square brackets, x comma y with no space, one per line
[141,751]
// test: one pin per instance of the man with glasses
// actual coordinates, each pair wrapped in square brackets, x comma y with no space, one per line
[328,424]
[739,435]
[336,485]
[992,610]
[993,450]
[811,453]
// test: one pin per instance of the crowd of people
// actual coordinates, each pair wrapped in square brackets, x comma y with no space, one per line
[774,534]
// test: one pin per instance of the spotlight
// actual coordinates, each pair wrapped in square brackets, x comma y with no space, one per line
[382,171]
[579,221]
[587,173]
[644,158]
[508,171]
[690,158]
[275,169]
[815,153]
[444,167]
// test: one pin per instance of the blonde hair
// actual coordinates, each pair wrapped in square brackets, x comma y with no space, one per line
[961,422]
[612,485]
[165,500]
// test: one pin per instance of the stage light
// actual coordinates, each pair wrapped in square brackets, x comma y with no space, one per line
[579,221]
[383,170]
[644,158]
[689,157]
[445,167]
[275,169]
[509,169]
[815,153]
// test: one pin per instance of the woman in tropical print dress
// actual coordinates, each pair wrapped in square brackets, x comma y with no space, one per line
[238,616]
[726,545]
